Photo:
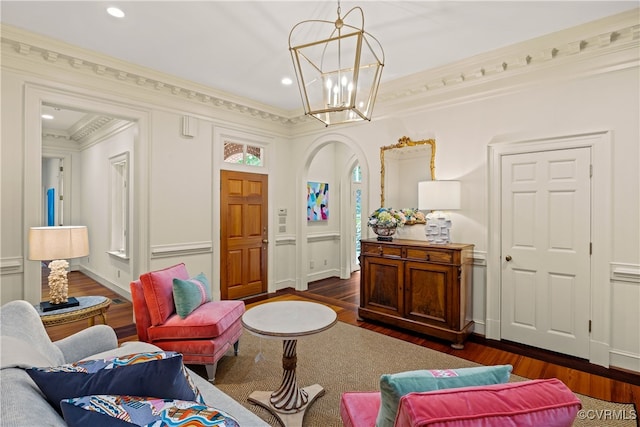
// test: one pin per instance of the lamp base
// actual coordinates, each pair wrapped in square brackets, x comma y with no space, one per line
[438,228]
[47,306]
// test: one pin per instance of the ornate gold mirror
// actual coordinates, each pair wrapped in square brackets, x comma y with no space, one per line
[402,166]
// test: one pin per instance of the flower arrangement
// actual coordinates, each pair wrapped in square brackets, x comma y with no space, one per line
[387,217]
[414,216]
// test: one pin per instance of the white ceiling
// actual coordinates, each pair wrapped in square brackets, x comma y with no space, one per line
[241,47]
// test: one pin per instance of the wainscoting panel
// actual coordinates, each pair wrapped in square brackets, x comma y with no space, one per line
[625,316]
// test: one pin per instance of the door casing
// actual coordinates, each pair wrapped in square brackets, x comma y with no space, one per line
[600,144]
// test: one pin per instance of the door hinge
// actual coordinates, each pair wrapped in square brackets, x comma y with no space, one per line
[590,248]
[61,168]
[590,171]
[589,326]
[61,197]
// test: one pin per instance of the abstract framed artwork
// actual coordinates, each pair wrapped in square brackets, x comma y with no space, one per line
[317,201]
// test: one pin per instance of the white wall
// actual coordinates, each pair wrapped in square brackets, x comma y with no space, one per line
[463,131]
[95,207]
[177,192]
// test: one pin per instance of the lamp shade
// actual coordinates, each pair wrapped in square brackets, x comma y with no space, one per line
[65,242]
[438,195]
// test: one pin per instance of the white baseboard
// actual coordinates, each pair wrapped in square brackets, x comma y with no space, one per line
[479,328]
[625,360]
[325,274]
[106,282]
[283,284]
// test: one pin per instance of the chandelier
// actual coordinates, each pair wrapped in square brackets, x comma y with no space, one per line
[338,75]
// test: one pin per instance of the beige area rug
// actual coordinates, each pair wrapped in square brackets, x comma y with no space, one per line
[348,358]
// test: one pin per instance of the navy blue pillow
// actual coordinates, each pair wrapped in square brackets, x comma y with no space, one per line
[158,374]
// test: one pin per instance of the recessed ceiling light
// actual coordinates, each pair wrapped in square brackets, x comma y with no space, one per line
[47,116]
[286,81]
[114,11]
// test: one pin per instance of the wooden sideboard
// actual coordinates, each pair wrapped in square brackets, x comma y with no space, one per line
[418,286]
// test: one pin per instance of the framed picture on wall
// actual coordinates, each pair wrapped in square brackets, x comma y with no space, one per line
[317,201]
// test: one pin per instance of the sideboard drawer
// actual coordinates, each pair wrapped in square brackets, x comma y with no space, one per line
[430,255]
[382,250]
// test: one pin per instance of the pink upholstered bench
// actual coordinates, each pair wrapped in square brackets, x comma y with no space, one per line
[532,403]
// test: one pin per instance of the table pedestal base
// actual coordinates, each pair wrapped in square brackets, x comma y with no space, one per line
[263,398]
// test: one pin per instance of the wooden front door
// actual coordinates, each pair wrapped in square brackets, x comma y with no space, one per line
[243,234]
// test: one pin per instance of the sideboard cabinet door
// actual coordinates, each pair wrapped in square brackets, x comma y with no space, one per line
[383,289]
[428,293]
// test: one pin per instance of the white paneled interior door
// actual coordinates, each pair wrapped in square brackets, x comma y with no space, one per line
[546,274]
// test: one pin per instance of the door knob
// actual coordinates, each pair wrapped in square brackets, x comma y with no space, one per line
[508,258]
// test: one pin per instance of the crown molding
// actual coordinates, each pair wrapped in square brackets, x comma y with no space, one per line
[597,39]
[18,42]
[90,130]
[573,46]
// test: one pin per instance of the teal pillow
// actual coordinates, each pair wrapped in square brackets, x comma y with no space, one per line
[394,386]
[190,294]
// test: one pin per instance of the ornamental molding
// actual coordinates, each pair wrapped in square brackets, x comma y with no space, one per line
[90,130]
[540,54]
[597,39]
[34,47]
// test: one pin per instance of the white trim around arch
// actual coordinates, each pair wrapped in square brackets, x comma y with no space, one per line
[301,182]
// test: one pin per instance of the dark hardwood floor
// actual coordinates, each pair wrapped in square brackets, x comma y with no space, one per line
[343,295]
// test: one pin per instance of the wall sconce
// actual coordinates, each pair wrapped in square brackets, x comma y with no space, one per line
[438,196]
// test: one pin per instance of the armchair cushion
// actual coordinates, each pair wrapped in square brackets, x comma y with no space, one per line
[157,374]
[157,287]
[532,403]
[117,411]
[210,320]
[190,294]
[394,386]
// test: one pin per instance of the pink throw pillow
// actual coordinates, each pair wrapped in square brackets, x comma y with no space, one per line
[157,287]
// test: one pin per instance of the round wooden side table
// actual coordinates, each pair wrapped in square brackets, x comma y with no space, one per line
[89,308]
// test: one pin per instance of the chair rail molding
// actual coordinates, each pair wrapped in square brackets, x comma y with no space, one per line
[175,249]
[625,272]
[11,265]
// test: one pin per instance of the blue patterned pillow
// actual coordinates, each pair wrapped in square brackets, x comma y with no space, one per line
[127,411]
[190,294]
[159,374]
[394,386]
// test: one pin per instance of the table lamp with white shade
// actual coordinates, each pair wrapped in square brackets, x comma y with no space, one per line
[438,197]
[58,244]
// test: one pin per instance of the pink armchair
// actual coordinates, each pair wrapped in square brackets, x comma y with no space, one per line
[203,336]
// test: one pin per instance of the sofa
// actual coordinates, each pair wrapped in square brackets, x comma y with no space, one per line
[25,344]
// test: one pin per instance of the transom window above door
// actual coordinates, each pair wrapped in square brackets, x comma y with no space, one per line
[244,154]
